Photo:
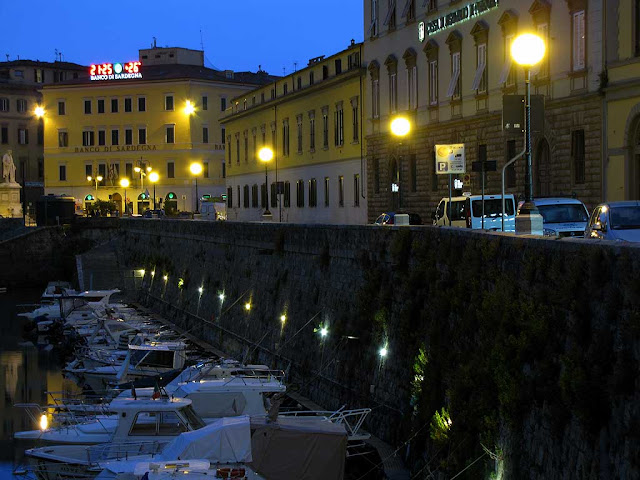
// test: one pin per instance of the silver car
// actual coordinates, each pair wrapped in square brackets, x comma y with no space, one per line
[615,221]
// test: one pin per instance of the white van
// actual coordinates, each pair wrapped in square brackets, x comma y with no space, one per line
[466,212]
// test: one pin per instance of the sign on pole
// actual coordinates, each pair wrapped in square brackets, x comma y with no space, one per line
[450,159]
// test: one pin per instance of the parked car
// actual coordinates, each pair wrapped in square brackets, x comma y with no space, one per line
[466,212]
[615,221]
[561,217]
[388,218]
[153,214]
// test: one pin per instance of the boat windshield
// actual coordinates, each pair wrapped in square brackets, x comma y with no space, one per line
[194,421]
[152,358]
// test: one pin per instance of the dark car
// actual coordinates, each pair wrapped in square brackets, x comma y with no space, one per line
[153,214]
[388,218]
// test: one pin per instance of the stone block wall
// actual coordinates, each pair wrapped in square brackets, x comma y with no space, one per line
[528,347]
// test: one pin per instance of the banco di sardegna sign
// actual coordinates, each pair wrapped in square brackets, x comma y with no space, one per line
[459,15]
[115,71]
[114,148]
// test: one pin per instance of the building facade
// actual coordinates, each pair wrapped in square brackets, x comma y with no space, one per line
[446,66]
[129,120]
[622,92]
[21,130]
[312,121]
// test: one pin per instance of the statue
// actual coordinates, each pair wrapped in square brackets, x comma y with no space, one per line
[8,168]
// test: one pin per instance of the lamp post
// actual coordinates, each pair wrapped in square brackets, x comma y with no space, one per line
[124,183]
[400,128]
[196,169]
[527,50]
[153,178]
[96,180]
[266,155]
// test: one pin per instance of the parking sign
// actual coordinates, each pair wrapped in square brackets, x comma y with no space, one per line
[450,159]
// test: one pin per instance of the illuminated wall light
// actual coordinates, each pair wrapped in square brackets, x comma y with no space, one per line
[44,422]
[142,272]
[247,306]
[153,273]
[324,331]
[383,352]
[200,290]
[39,111]
[189,108]
[283,318]
[221,296]
[180,283]
[166,277]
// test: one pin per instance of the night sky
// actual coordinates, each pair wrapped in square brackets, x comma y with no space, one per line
[237,34]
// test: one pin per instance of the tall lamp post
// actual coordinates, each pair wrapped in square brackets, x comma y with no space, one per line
[96,180]
[153,178]
[527,50]
[400,128]
[196,169]
[124,183]
[266,155]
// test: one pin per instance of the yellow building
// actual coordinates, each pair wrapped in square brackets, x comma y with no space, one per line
[312,121]
[131,119]
[622,93]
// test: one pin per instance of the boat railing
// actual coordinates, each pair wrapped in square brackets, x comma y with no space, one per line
[351,419]
[123,451]
[247,375]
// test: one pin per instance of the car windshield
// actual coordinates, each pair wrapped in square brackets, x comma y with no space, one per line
[562,213]
[625,217]
[492,207]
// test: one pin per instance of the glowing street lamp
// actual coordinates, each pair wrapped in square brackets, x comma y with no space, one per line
[97,180]
[400,126]
[266,155]
[153,178]
[527,50]
[39,111]
[189,108]
[124,183]
[196,169]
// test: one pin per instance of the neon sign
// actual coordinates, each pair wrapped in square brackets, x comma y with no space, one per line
[467,12]
[115,71]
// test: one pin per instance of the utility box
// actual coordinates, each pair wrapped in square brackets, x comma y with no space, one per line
[55,210]
[401,219]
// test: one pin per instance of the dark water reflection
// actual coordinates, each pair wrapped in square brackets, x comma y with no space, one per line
[27,372]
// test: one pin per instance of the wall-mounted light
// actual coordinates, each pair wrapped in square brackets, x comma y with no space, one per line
[200,290]
[221,296]
[283,318]
[247,306]
[383,352]
[324,331]
[39,111]
[189,108]
[166,277]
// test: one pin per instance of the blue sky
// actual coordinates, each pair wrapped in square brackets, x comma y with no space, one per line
[237,35]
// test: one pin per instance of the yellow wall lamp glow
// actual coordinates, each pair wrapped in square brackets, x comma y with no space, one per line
[527,49]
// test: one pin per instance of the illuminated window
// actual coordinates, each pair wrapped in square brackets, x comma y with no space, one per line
[63,138]
[88,138]
[578,40]
[168,102]
[23,136]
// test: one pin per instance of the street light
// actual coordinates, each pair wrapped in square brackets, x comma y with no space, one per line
[196,169]
[97,180]
[39,111]
[124,183]
[266,155]
[400,128]
[527,50]
[153,178]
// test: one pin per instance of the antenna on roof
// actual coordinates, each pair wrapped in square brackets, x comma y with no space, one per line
[295,66]
[201,41]
[284,72]
[154,42]
[7,56]
[56,51]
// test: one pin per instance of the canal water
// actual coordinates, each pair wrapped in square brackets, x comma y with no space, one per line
[29,368]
